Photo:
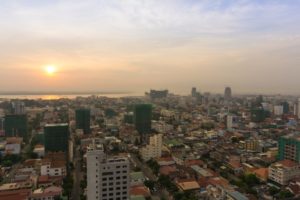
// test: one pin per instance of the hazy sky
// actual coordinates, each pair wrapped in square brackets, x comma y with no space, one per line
[135,45]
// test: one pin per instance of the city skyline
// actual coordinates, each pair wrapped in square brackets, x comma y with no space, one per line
[250,46]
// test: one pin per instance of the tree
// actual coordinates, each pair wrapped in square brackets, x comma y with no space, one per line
[273,190]
[149,184]
[284,194]
[68,185]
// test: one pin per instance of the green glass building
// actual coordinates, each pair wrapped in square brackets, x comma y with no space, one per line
[15,126]
[142,118]
[289,147]
[56,137]
[83,120]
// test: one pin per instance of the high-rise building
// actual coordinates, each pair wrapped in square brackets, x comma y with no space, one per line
[298,108]
[107,178]
[194,92]
[278,110]
[18,107]
[158,94]
[56,137]
[15,126]
[83,118]
[286,107]
[142,118]
[153,149]
[227,93]
[289,147]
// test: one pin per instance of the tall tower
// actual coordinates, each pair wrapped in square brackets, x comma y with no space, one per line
[15,125]
[83,118]
[142,118]
[56,137]
[194,92]
[107,178]
[227,93]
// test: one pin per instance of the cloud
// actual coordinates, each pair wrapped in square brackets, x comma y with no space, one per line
[206,41]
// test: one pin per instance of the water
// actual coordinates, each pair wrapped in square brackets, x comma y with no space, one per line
[69,96]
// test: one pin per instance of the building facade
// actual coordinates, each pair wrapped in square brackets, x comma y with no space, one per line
[108,178]
[289,147]
[142,118]
[56,137]
[15,126]
[83,118]
[153,149]
[283,171]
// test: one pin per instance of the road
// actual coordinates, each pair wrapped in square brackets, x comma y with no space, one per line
[144,168]
[77,176]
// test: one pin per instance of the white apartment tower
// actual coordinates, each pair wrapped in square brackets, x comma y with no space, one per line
[107,178]
[153,149]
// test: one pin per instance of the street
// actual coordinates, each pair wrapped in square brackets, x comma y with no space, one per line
[77,176]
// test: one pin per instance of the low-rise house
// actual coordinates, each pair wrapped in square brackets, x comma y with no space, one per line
[262,174]
[13,145]
[54,164]
[39,150]
[49,193]
[188,185]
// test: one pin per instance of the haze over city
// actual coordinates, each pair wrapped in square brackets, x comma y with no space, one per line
[252,46]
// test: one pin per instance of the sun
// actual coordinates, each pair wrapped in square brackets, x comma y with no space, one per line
[50,70]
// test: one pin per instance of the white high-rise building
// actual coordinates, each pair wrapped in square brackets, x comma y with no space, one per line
[153,149]
[278,110]
[107,178]
[18,107]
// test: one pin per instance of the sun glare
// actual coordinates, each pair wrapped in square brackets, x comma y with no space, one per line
[50,70]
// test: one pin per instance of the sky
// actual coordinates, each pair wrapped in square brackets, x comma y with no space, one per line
[253,46]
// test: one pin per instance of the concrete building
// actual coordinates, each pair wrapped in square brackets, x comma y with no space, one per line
[108,178]
[283,171]
[56,137]
[13,145]
[83,118]
[278,110]
[142,118]
[153,149]
[227,93]
[289,147]
[17,107]
[54,164]
[15,125]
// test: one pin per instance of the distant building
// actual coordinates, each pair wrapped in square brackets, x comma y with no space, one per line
[286,107]
[54,164]
[142,118]
[278,110]
[15,126]
[107,178]
[227,93]
[283,171]
[258,114]
[231,121]
[83,118]
[289,147]
[56,137]
[194,92]
[158,94]
[153,149]
[17,107]
[13,145]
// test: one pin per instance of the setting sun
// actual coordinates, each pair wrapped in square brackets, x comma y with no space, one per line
[50,70]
